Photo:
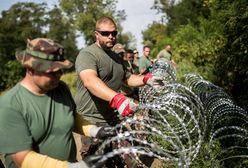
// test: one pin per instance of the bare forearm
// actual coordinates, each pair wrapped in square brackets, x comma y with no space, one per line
[100,89]
[96,86]
[135,80]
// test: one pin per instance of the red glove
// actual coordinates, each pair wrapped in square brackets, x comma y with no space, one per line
[124,105]
[147,77]
[151,80]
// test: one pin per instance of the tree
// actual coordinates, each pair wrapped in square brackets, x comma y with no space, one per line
[17,24]
[21,21]
[154,36]
[231,66]
[181,13]
[128,39]
[61,30]
[84,14]
[211,34]
[30,20]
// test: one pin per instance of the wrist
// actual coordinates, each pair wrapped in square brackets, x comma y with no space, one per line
[79,164]
[94,131]
[37,160]
[147,77]
[116,100]
[121,103]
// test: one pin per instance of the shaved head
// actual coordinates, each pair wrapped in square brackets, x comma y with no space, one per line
[104,20]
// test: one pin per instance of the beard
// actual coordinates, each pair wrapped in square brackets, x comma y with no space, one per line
[107,45]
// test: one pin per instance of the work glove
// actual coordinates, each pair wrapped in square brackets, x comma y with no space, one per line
[102,132]
[92,161]
[88,162]
[124,105]
[153,81]
[79,164]
[105,132]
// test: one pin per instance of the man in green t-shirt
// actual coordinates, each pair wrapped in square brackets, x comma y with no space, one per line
[133,69]
[144,61]
[166,53]
[100,73]
[37,115]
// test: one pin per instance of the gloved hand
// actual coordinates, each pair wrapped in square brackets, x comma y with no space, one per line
[92,161]
[88,162]
[79,164]
[105,132]
[151,80]
[124,105]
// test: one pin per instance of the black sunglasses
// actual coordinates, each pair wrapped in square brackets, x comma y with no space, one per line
[107,33]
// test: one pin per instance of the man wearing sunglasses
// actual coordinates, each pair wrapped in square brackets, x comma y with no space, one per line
[100,75]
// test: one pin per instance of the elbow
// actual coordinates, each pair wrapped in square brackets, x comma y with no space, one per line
[87,84]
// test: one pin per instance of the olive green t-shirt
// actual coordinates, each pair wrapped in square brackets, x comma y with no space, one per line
[144,63]
[110,69]
[164,54]
[40,123]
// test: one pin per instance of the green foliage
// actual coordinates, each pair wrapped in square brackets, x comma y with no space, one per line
[84,14]
[178,14]
[184,67]
[210,38]
[153,36]
[11,74]
[60,29]
[232,62]
[128,39]
[206,156]
[30,20]
[70,79]
[16,25]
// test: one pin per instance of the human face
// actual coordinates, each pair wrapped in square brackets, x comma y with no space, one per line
[130,57]
[46,81]
[146,51]
[168,48]
[135,53]
[106,36]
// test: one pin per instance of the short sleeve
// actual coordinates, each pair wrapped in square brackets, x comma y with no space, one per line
[85,60]
[142,64]
[14,133]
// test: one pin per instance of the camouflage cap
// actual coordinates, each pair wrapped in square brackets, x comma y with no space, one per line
[44,55]
[118,48]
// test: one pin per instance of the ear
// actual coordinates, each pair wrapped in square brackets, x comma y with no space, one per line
[96,34]
[30,71]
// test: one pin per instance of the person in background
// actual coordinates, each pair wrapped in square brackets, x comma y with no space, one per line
[37,115]
[133,69]
[119,49]
[136,57]
[129,57]
[144,61]
[166,53]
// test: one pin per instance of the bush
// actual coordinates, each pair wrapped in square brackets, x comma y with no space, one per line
[70,80]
